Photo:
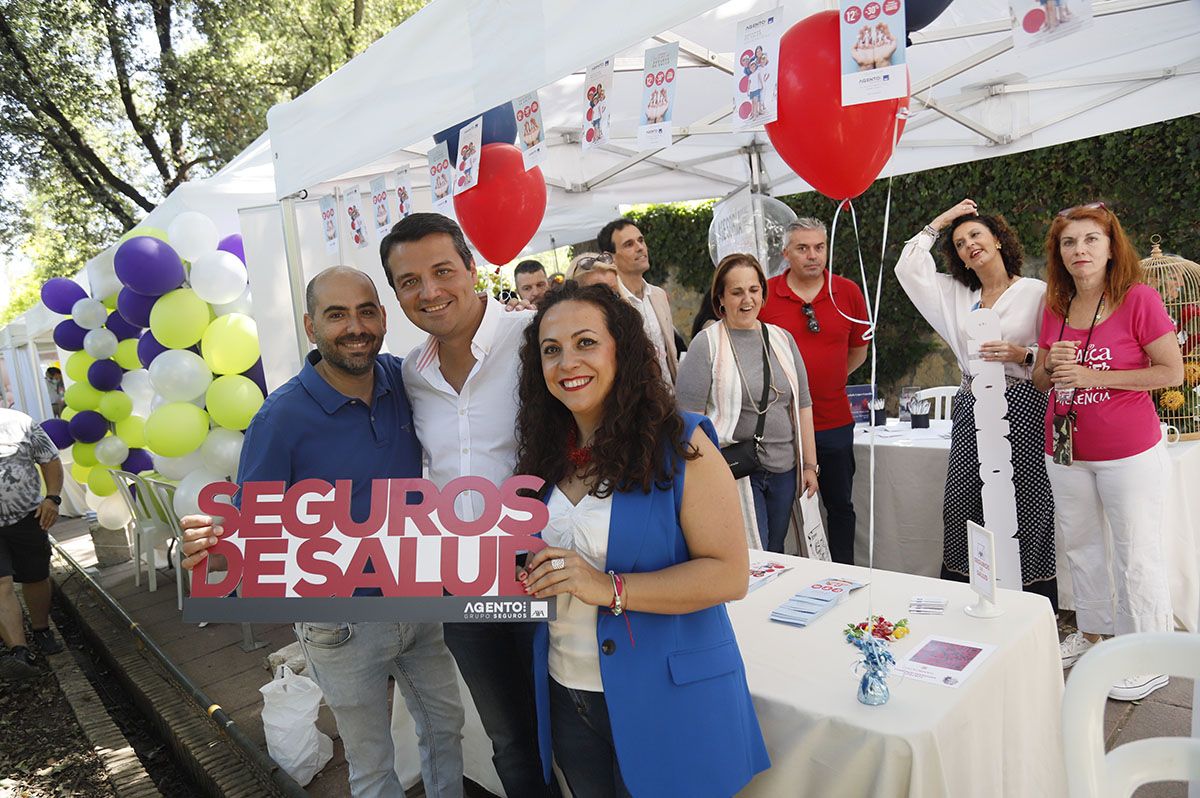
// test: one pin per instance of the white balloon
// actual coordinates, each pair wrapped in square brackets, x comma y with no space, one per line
[112,512]
[102,275]
[112,451]
[218,277]
[89,313]
[178,467]
[100,344]
[187,492]
[92,500]
[243,304]
[180,375]
[221,451]
[192,234]
[137,386]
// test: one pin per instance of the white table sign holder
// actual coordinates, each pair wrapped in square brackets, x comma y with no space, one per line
[981,551]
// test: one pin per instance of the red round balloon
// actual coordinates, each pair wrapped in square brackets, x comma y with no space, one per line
[504,210]
[838,150]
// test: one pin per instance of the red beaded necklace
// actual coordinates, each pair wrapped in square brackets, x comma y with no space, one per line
[580,456]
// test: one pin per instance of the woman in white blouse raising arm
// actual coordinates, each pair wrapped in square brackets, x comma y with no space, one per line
[983,259]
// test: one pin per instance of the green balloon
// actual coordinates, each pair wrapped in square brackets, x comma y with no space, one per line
[127,356]
[176,429]
[132,430]
[110,301]
[179,318]
[115,405]
[80,473]
[77,366]
[82,396]
[233,400]
[100,481]
[153,232]
[84,454]
[230,344]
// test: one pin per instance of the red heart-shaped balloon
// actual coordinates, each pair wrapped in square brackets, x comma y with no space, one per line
[504,210]
[838,150]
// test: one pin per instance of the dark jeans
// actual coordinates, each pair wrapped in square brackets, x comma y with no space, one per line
[583,743]
[496,661]
[773,498]
[835,455]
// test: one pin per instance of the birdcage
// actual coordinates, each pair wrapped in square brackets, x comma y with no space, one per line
[1178,282]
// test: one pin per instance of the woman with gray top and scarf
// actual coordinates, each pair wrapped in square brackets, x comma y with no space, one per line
[723,376]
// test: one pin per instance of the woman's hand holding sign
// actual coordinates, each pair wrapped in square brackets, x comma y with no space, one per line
[199,535]
[555,572]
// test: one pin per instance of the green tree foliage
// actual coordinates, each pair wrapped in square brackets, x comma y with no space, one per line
[1147,175]
[108,105]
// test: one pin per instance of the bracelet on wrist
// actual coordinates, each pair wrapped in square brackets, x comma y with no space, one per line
[931,231]
[618,586]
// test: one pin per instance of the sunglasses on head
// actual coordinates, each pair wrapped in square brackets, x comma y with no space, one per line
[1091,206]
[587,263]
[814,326]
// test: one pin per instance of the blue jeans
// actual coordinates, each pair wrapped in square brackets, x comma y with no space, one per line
[835,454]
[496,661]
[583,743]
[773,498]
[351,664]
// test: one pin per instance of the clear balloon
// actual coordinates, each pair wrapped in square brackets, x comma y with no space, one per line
[112,451]
[180,375]
[92,500]
[112,512]
[243,304]
[221,451]
[192,235]
[178,467]
[187,493]
[138,386]
[218,277]
[100,344]
[90,314]
[102,275]
[754,224]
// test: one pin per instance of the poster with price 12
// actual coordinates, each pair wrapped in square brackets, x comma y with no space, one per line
[872,51]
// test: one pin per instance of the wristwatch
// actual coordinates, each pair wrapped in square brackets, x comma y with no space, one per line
[1028,361]
[813,467]
[54,497]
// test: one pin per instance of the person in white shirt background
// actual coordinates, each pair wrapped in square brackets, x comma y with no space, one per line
[984,259]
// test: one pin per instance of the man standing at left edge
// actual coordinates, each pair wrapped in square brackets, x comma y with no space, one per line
[346,416]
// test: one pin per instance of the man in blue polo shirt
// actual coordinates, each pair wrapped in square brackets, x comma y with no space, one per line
[346,416]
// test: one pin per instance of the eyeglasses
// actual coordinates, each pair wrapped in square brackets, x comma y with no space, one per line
[814,326]
[587,263]
[1091,206]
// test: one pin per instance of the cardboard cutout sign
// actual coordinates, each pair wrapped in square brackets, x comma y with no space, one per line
[298,554]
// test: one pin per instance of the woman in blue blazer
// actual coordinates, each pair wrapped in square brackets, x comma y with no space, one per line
[640,684]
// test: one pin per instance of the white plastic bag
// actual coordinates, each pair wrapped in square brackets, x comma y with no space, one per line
[289,716]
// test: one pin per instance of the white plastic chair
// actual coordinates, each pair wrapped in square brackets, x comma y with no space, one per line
[148,527]
[164,495]
[1090,772]
[939,400]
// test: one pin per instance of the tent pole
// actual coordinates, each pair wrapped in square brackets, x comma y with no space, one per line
[295,269]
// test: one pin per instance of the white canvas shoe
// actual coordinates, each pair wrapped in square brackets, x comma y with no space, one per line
[1137,687]
[1073,647]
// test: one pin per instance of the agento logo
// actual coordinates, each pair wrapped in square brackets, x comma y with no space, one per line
[497,610]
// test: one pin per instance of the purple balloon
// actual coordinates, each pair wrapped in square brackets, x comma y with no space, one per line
[118,326]
[234,246]
[135,307]
[257,376]
[88,426]
[69,336]
[60,294]
[149,348]
[148,266]
[59,432]
[105,375]
[138,461]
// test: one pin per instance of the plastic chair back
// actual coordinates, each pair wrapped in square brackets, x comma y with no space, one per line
[939,400]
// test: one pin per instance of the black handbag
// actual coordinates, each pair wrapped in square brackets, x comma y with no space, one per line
[742,456]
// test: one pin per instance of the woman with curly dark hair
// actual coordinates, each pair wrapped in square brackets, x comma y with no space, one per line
[983,259]
[644,524]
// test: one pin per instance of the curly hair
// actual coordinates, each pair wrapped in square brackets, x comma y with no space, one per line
[1010,249]
[1123,270]
[638,444]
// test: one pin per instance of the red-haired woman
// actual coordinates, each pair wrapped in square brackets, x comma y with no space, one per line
[1106,342]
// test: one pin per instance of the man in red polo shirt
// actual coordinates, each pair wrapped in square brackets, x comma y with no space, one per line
[800,301]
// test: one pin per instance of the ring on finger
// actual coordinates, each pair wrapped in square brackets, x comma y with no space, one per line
[558,563]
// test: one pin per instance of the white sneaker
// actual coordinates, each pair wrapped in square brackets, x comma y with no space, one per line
[1073,647]
[1136,687]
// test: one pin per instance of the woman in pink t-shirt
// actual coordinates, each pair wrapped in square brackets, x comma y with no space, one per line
[1106,342]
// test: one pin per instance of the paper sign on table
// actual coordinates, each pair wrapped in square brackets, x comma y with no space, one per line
[763,572]
[597,85]
[940,660]
[981,548]
[379,201]
[531,136]
[1038,21]
[358,227]
[441,173]
[404,193]
[872,47]
[755,77]
[658,96]
[470,141]
[860,397]
[816,544]
[329,222]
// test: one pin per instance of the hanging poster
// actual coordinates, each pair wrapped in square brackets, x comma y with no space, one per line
[440,175]
[404,193]
[872,46]
[755,83]
[470,140]
[597,84]
[1038,21]
[531,136]
[358,228]
[379,202]
[658,96]
[329,223]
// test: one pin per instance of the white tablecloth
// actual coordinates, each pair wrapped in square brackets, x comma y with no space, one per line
[995,735]
[910,477]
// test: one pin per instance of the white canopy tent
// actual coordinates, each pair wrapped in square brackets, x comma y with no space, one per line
[974,97]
